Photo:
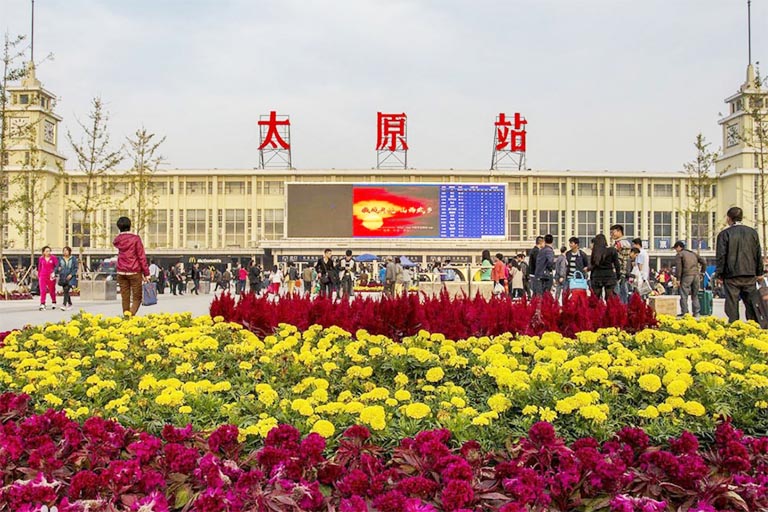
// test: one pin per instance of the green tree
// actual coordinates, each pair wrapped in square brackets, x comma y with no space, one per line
[12,72]
[700,186]
[96,163]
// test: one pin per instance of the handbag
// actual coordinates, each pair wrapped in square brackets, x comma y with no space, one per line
[498,289]
[644,288]
[63,281]
[578,281]
[148,294]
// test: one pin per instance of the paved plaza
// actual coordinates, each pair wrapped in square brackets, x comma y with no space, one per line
[18,313]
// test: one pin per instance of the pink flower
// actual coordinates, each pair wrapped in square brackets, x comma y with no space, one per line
[146,448]
[353,504]
[180,459]
[154,502]
[456,495]
[223,440]
[85,485]
[177,435]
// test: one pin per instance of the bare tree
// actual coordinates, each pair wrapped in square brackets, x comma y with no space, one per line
[143,151]
[11,73]
[96,162]
[700,186]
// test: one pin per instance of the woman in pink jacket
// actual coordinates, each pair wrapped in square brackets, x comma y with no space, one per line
[46,276]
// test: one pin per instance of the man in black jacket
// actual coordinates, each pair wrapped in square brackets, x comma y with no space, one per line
[254,277]
[532,256]
[739,264]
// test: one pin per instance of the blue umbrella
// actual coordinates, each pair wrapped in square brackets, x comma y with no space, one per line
[404,261]
[366,258]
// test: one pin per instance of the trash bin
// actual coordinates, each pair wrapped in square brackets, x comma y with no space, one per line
[705,302]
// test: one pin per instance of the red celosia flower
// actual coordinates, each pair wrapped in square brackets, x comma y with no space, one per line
[179,458]
[85,485]
[223,440]
[177,435]
[457,494]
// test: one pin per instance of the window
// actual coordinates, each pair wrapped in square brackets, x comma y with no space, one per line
[120,189]
[78,188]
[158,188]
[662,230]
[274,188]
[549,223]
[515,230]
[273,224]
[195,228]
[586,227]
[549,189]
[157,230]
[80,230]
[662,189]
[24,99]
[587,189]
[626,219]
[195,187]
[626,189]
[518,189]
[234,228]
[113,216]
[699,224]
[234,187]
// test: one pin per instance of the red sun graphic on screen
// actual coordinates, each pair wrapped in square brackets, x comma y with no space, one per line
[395,211]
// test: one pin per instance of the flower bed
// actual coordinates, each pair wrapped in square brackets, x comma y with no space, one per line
[100,465]
[459,318]
[145,371]
[16,295]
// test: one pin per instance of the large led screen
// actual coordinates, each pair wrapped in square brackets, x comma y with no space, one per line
[396,210]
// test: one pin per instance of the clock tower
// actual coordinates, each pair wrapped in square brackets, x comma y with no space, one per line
[33,127]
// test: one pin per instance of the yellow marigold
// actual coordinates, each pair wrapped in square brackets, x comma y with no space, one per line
[401,379]
[458,402]
[245,365]
[593,412]
[417,410]
[435,374]
[705,367]
[402,395]
[530,409]
[649,412]
[761,404]
[324,427]
[266,394]
[547,414]
[185,409]
[53,399]
[596,374]
[665,408]
[374,416]
[677,387]
[694,408]
[499,402]
[302,406]
[650,382]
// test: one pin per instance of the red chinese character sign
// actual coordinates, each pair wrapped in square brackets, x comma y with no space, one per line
[274,141]
[509,142]
[392,141]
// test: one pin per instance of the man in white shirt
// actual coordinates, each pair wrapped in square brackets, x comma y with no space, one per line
[154,271]
[642,261]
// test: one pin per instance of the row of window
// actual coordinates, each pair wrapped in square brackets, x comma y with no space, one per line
[588,223]
[195,227]
[592,189]
[162,188]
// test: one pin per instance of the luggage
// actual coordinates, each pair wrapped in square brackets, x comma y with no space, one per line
[148,294]
[759,298]
[705,302]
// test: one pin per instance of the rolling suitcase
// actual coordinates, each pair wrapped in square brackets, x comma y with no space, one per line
[705,302]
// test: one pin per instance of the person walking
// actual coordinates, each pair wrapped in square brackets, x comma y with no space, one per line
[545,264]
[605,268]
[561,273]
[347,270]
[254,278]
[324,269]
[132,268]
[242,276]
[623,246]
[275,280]
[516,279]
[739,264]
[161,280]
[67,272]
[195,276]
[154,270]
[486,266]
[499,274]
[308,275]
[577,261]
[46,276]
[173,279]
[533,286]
[689,267]
[226,279]
[293,276]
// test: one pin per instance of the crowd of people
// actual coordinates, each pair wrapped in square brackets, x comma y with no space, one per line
[615,265]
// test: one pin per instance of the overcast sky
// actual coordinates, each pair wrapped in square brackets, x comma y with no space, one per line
[604,84]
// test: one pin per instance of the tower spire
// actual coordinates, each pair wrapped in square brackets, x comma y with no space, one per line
[32,38]
[749,29]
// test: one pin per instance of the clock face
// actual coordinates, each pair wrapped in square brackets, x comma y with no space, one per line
[732,136]
[18,128]
[49,133]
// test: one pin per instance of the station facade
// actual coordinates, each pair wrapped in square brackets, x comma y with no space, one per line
[217,216]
